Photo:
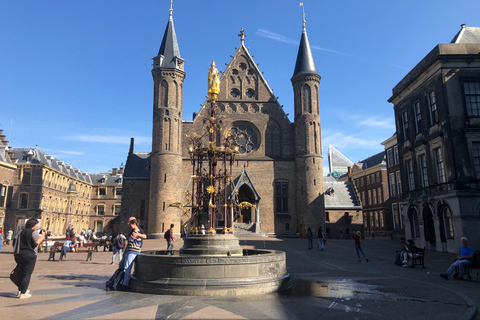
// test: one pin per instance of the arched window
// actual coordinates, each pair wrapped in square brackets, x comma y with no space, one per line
[307,98]
[446,224]
[164,94]
[414,226]
[273,145]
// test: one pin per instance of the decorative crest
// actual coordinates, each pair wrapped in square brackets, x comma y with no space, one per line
[242,35]
[303,14]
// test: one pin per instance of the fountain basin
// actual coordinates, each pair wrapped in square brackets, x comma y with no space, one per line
[253,272]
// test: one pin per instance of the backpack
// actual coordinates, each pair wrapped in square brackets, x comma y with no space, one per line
[119,244]
[16,243]
[166,235]
[116,280]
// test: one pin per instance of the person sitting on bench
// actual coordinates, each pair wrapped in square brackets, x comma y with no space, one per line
[399,253]
[68,246]
[464,259]
[410,250]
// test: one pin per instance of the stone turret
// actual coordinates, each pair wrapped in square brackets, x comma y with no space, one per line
[166,158]
[308,146]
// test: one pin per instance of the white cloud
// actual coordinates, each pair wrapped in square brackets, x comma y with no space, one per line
[281,38]
[343,142]
[108,139]
[379,122]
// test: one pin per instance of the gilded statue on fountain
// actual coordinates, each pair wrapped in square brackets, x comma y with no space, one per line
[213,83]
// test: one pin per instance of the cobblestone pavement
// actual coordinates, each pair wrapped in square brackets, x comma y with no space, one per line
[328,284]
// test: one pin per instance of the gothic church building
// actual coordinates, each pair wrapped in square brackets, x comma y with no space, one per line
[279,167]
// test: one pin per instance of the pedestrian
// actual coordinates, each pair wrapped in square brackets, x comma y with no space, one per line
[118,243]
[1,239]
[134,247]
[464,259]
[310,239]
[89,234]
[9,236]
[358,245]
[321,239]
[29,239]
[68,246]
[170,239]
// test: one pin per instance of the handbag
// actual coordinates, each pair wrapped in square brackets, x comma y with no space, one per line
[16,276]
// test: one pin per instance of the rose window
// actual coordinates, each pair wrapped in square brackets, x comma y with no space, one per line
[243,136]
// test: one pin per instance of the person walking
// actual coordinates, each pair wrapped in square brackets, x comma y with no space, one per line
[118,243]
[321,239]
[358,245]
[26,257]
[134,247]
[170,240]
[9,236]
[310,239]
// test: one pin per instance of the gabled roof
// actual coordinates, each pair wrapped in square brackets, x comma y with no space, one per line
[340,195]
[467,35]
[245,179]
[106,178]
[372,161]
[35,156]
[138,166]
[4,157]
[169,48]
[305,63]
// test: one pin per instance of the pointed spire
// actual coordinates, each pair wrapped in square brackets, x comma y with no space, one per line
[305,63]
[169,52]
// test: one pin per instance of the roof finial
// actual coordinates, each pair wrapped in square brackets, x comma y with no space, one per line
[303,14]
[242,35]
[171,8]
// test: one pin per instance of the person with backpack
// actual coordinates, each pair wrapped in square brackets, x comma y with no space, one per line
[134,247]
[118,242]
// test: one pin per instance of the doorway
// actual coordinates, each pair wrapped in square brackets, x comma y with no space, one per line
[245,194]
[429,228]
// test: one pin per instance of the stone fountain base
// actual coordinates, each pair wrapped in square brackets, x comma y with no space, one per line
[207,273]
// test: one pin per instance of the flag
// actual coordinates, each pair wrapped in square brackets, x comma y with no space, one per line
[301,4]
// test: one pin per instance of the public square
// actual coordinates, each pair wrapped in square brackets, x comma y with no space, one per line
[328,284]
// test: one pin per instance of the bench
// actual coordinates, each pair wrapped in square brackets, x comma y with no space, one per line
[418,258]
[475,266]
[105,243]
[89,248]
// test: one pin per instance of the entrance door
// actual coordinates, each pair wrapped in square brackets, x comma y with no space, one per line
[245,194]
[429,228]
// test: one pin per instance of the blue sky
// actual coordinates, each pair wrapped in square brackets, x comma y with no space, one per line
[75,76]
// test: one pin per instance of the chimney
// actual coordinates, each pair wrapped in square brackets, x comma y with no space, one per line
[121,170]
[114,171]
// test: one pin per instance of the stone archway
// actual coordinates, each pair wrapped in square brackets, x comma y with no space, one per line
[245,193]
[428,226]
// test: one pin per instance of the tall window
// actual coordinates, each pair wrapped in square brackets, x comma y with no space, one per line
[389,157]
[411,180]
[23,201]
[395,154]
[102,193]
[377,176]
[447,222]
[100,210]
[439,165]
[399,182]
[476,158]
[368,180]
[374,196]
[423,170]
[327,216]
[405,125]
[379,192]
[307,100]
[281,195]
[363,198]
[369,197]
[433,107]
[117,209]
[118,193]
[472,98]
[391,180]
[418,117]
[396,217]
[3,195]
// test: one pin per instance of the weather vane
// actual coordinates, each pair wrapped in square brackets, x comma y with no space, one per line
[303,14]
